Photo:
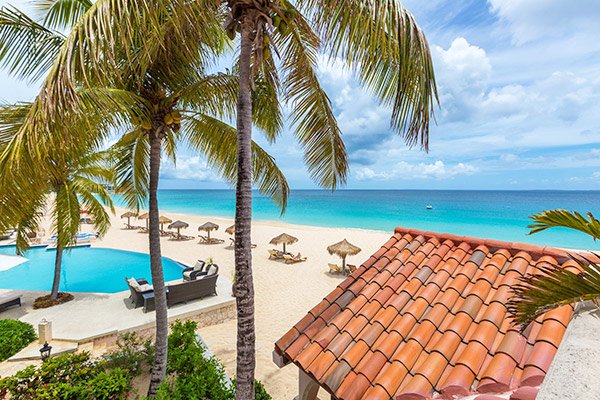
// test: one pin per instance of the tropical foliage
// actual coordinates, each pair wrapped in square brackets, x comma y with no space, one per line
[379,40]
[14,336]
[556,286]
[161,97]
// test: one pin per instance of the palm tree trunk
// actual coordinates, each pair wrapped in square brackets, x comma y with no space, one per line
[57,268]
[244,286]
[158,281]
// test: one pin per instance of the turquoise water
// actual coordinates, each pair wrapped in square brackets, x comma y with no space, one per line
[499,215]
[85,269]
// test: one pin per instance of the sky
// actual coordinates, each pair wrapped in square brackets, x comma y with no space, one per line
[519,86]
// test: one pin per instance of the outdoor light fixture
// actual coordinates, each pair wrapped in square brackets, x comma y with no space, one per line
[45,351]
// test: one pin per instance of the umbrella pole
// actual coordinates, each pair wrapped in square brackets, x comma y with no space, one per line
[147,224]
[208,234]
[344,264]
[178,233]
[284,247]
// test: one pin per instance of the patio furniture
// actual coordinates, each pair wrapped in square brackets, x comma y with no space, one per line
[351,268]
[9,300]
[276,254]
[138,287]
[289,259]
[334,269]
[344,249]
[283,239]
[202,286]
[129,215]
[190,273]
[209,240]
[232,243]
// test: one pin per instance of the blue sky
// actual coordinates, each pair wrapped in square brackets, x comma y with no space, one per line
[519,84]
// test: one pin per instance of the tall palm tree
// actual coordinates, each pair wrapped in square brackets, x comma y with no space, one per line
[557,286]
[69,184]
[386,49]
[173,101]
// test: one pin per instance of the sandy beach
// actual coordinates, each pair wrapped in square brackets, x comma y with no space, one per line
[284,293]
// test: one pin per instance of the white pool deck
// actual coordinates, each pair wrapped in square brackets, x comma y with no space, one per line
[94,315]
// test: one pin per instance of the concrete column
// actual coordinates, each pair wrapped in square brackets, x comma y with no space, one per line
[308,387]
[44,331]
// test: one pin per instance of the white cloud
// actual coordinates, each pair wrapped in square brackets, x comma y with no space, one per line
[189,168]
[535,19]
[407,171]
[463,72]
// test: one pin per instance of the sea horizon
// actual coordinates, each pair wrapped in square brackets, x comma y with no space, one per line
[495,214]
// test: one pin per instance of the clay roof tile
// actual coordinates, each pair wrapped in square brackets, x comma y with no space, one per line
[425,316]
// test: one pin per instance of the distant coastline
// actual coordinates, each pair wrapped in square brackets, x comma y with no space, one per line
[497,214]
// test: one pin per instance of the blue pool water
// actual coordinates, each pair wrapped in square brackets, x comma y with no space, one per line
[499,215]
[85,269]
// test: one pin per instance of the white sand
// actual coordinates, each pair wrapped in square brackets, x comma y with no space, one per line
[284,293]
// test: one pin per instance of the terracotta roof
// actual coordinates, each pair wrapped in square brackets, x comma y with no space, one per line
[425,317]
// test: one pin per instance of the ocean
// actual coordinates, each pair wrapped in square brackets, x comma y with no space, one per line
[501,215]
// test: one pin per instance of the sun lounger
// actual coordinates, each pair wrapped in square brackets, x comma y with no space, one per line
[9,300]
[351,268]
[199,288]
[206,240]
[138,287]
[232,243]
[334,269]
[293,259]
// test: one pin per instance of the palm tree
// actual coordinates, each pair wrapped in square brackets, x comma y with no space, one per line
[557,286]
[388,52]
[173,101]
[70,184]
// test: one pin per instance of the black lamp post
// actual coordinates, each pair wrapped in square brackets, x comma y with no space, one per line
[45,351]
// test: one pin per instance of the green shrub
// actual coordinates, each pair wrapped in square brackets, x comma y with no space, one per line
[14,336]
[260,392]
[133,354]
[68,376]
[193,375]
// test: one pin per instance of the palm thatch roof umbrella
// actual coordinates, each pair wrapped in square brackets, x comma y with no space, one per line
[208,228]
[343,249]
[179,225]
[145,216]
[284,239]
[129,215]
[162,220]
[231,229]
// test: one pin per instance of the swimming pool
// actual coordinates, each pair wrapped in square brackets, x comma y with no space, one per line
[85,269]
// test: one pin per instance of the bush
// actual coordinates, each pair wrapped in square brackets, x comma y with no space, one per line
[14,336]
[193,375]
[46,301]
[68,376]
[132,354]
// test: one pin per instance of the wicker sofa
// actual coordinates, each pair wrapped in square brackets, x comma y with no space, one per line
[202,286]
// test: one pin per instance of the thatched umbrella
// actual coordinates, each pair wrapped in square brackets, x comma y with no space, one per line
[231,230]
[163,220]
[284,239]
[129,215]
[145,216]
[208,228]
[343,249]
[179,225]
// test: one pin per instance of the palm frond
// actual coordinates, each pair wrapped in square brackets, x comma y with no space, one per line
[132,168]
[61,14]
[27,48]
[94,197]
[66,214]
[383,43]
[217,141]
[554,286]
[565,219]
[312,114]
